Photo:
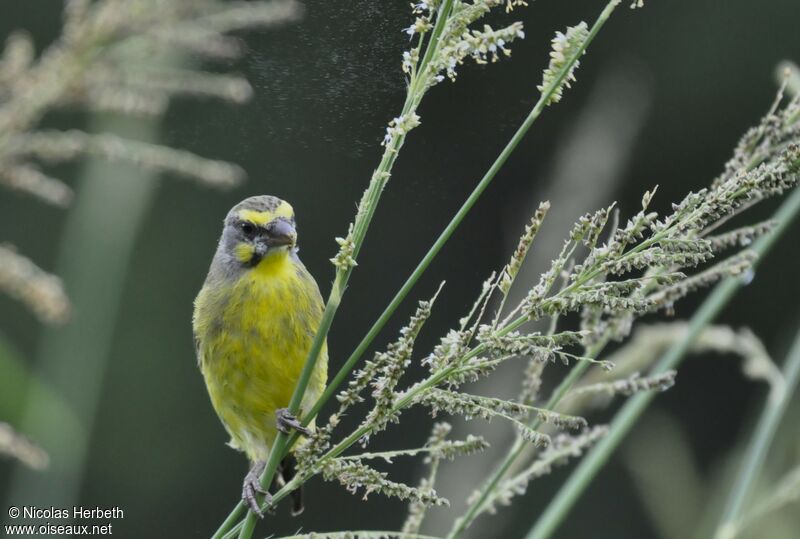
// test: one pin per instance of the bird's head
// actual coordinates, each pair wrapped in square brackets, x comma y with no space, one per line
[257,228]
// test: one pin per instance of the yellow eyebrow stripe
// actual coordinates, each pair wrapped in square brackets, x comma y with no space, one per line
[264,217]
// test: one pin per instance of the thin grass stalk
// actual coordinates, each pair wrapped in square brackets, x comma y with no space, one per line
[461,523]
[362,222]
[777,401]
[348,366]
[635,406]
[283,441]
[454,223]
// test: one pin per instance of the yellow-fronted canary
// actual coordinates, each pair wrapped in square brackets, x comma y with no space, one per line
[254,321]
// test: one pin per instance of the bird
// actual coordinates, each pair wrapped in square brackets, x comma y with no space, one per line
[254,321]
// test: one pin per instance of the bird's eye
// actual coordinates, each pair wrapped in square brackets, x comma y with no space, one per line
[248,228]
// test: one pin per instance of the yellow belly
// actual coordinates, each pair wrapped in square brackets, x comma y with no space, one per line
[254,335]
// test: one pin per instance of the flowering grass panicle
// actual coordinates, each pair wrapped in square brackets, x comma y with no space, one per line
[563,448]
[609,270]
[628,386]
[526,240]
[38,290]
[110,58]
[564,45]
[16,446]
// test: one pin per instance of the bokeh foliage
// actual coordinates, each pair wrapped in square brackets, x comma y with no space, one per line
[323,89]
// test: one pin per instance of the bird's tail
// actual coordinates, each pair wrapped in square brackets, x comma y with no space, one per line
[288,470]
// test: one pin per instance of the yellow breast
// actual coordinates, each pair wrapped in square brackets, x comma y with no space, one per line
[253,338]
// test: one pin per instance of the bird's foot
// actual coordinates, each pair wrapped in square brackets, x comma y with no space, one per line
[252,488]
[287,422]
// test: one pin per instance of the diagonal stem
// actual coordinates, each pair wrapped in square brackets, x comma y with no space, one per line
[512,144]
[362,222]
[777,401]
[283,442]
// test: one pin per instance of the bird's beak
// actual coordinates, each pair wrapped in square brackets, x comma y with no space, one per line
[280,233]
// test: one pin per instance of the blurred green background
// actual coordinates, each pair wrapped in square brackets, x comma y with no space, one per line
[664,94]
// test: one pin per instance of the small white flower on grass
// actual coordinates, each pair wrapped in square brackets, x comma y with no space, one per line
[511,4]
[565,47]
[400,126]
[420,26]
[410,59]
[428,6]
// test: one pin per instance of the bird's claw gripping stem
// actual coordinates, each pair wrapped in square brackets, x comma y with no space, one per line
[287,423]
[252,487]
